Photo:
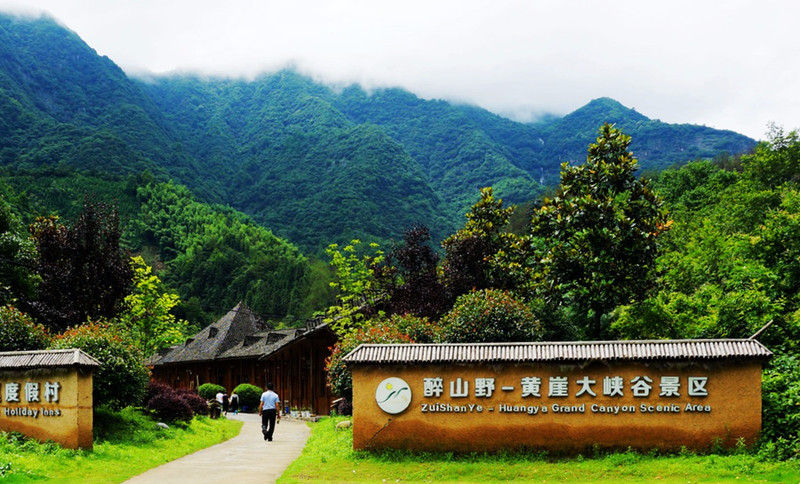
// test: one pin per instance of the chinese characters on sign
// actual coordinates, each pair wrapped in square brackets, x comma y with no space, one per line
[535,388]
[558,386]
[31,392]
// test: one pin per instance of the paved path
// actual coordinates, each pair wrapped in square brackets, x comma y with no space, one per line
[243,459]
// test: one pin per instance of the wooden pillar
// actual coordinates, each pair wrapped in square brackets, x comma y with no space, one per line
[312,380]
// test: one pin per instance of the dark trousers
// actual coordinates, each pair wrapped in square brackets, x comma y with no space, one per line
[268,418]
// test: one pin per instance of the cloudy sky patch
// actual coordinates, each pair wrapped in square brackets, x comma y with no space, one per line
[730,65]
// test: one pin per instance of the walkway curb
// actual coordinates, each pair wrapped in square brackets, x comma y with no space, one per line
[246,458]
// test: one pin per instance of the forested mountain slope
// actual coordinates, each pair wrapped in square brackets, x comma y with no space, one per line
[62,104]
[295,163]
[457,153]
[314,164]
[657,145]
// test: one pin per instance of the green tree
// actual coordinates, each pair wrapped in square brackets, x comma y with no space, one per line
[359,282]
[220,256]
[18,332]
[600,232]
[375,331]
[17,258]
[731,263]
[468,256]
[489,316]
[781,406]
[775,161]
[148,315]
[122,378]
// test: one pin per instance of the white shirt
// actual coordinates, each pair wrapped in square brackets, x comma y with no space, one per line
[269,399]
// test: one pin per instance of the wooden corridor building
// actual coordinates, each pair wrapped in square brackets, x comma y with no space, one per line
[242,348]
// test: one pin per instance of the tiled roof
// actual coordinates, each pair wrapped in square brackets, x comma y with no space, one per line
[217,338]
[258,344]
[310,329]
[239,334]
[559,351]
[46,359]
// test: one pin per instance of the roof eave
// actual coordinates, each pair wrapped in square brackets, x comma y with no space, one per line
[560,352]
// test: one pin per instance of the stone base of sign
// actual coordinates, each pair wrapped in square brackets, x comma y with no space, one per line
[728,407]
[65,414]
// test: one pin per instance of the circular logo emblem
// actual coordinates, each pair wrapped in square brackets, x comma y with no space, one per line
[393,395]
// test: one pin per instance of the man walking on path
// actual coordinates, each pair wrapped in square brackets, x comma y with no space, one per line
[269,409]
[235,457]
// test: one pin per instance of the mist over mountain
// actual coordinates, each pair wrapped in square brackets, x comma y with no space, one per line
[314,164]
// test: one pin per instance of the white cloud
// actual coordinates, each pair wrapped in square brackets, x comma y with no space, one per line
[730,65]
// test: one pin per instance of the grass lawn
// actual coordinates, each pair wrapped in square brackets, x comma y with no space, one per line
[126,444]
[328,457]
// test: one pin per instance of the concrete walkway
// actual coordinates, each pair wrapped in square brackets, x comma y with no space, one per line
[243,459]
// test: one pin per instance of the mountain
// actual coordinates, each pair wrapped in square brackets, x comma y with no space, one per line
[62,104]
[297,164]
[456,153]
[316,165]
[657,145]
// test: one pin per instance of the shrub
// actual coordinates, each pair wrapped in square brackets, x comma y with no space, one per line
[419,330]
[344,407]
[198,404]
[781,405]
[155,388]
[249,395]
[164,402]
[127,426]
[339,377]
[122,377]
[209,390]
[18,332]
[170,407]
[489,316]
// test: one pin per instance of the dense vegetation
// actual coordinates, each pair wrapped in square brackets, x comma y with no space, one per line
[121,379]
[294,162]
[188,173]
[220,255]
[607,257]
[211,256]
[314,164]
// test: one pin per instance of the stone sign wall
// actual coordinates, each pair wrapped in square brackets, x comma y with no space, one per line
[560,406]
[50,402]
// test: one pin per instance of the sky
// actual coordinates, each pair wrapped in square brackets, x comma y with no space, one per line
[728,65]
